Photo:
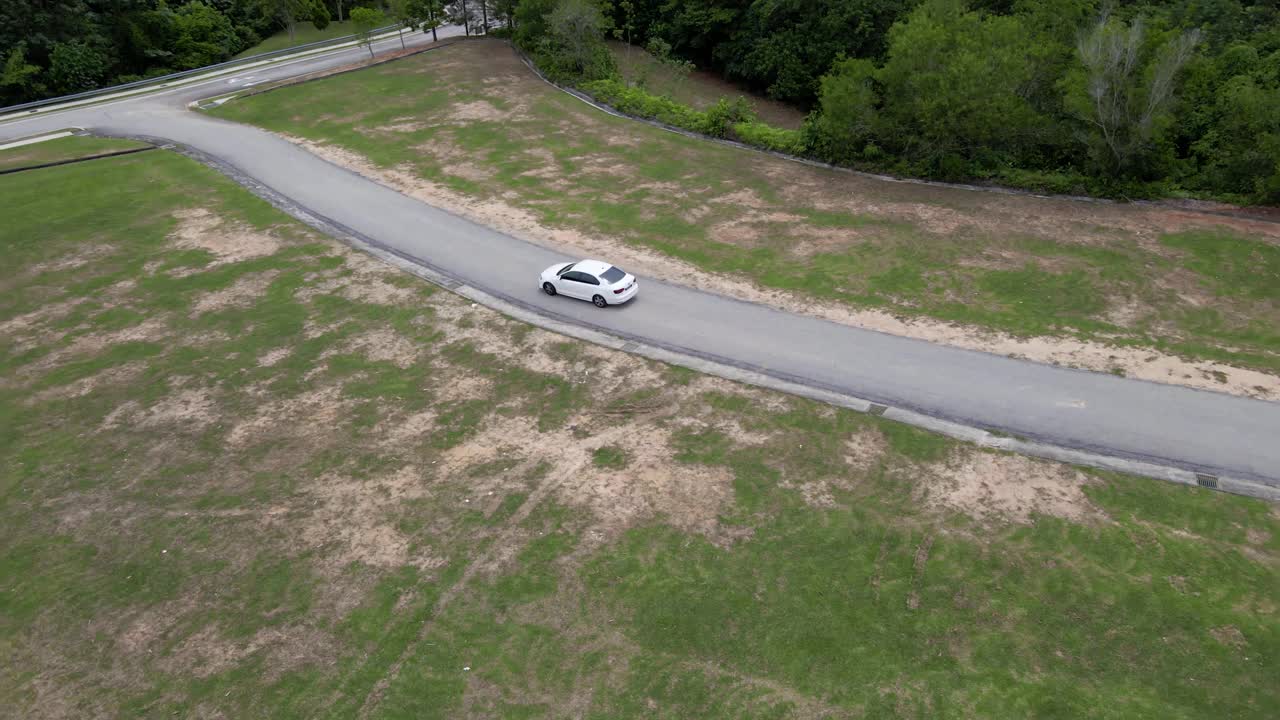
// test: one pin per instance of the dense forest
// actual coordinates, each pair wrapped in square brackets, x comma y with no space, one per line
[57,47]
[1149,98]
[1156,97]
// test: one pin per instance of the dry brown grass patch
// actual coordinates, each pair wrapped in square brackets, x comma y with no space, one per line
[200,228]
[998,487]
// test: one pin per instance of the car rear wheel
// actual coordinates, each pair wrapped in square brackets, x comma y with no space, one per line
[599,301]
[549,289]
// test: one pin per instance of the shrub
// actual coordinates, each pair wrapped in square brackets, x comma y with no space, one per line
[766,136]
[637,102]
[717,119]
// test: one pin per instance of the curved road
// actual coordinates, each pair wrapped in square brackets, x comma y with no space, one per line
[1172,426]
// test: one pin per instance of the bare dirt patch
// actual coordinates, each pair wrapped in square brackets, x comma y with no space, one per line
[383,344]
[477,110]
[189,408]
[111,376]
[1230,636]
[1139,363]
[241,293]
[71,261]
[313,412]
[271,357]
[288,648]
[200,228]
[354,519]
[995,487]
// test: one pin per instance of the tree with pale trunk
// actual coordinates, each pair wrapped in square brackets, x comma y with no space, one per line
[1124,90]
[366,20]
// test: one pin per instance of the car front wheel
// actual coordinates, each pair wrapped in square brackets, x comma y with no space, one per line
[599,301]
[549,289]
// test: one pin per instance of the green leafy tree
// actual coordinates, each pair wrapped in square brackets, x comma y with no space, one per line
[531,18]
[783,46]
[575,39]
[504,12]
[204,36]
[76,66]
[365,21]
[290,12]
[402,13]
[625,27]
[848,119]
[18,81]
[955,88]
[319,15]
[428,15]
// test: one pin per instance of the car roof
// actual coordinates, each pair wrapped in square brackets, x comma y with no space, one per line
[595,267]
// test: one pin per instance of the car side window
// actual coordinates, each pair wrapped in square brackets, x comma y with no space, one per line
[580,277]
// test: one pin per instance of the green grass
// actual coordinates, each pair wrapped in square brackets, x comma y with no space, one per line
[610,457]
[304,503]
[304,33]
[66,148]
[1022,266]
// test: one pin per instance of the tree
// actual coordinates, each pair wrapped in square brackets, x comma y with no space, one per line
[530,18]
[504,11]
[290,12]
[18,79]
[366,20]
[76,66]
[848,118]
[783,46]
[429,15]
[626,10]
[204,36]
[955,87]
[1123,92]
[402,12]
[576,31]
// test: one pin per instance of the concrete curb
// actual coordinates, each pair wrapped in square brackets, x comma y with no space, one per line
[721,367]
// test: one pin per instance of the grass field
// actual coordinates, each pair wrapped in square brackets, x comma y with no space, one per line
[304,33]
[470,119]
[67,148]
[249,473]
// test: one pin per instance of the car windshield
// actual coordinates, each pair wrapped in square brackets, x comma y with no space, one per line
[612,275]
[565,269]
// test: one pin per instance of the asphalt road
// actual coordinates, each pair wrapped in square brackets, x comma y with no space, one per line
[1189,429]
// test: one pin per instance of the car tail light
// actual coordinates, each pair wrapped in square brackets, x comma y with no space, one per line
[619,291]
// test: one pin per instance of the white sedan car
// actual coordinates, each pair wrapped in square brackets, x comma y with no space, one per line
[598,282]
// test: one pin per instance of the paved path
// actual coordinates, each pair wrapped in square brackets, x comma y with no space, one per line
[1167,425]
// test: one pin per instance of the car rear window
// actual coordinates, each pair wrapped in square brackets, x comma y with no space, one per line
[612,275]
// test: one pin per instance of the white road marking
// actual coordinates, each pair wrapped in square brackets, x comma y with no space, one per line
[37,139]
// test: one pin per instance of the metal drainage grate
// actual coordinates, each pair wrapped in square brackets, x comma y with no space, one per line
[1207,481]
[630,347]
[877,409]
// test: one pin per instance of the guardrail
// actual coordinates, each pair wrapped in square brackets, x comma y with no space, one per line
[35,104]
